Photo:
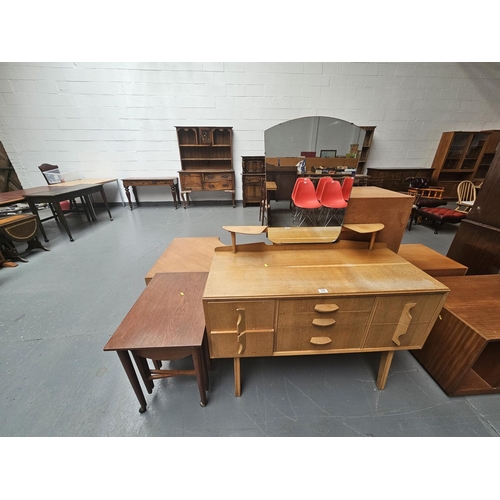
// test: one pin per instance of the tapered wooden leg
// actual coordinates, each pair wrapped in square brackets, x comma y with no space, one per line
[127,192]
[383,371]
[199,368]
[237,378]
[132,377]
[142,366]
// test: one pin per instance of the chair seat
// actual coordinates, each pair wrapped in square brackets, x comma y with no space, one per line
[440,215]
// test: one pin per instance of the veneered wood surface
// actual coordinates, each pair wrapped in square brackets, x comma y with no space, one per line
[186,255]
[370,204]
[476,300]
[430,261]
[168,313]
[343,268]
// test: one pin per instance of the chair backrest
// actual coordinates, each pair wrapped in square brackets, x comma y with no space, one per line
[418,182]
[298,181]
[51,173]
[466,191]
[332,196]
[347,187]
[305,194]
[321,185]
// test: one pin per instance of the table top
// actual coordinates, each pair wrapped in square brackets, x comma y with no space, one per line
[168,313]
[429,260]
[186,255]
[90,181]
[344,268]
[138,179]
[475,300]
[57,190]
[375,192]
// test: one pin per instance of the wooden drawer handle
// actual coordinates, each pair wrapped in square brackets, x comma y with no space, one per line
[323,321]
[326,308]
[240,330]
[404,322]
[320,340]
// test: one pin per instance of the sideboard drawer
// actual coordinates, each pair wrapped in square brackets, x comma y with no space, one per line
[217,186]
[320,338]
[218,177]
[322,324]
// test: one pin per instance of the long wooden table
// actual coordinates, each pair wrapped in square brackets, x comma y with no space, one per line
[286,300]
[134,182]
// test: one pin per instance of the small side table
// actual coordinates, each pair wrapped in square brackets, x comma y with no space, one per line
[134,182]
[165,323]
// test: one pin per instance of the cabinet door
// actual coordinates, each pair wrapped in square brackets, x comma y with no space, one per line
[253,336]
[190,180]
[402,321]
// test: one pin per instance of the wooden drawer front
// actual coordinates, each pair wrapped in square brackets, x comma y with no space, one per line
[303,312]
[320,338]
[217,186]
[322,324]
[221,319]
[228,177]
[402,321]
[190,181]
[252,179]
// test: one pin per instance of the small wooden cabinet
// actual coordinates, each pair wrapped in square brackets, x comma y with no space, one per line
[462,352]
[463,156]
[206,155]
[253,172]
[394,178]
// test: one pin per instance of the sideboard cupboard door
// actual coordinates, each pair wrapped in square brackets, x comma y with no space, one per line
[228,339]
[403,321]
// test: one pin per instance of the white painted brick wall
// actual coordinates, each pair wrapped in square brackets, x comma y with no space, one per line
[118,119]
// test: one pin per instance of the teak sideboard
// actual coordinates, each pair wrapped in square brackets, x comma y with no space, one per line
[286,300]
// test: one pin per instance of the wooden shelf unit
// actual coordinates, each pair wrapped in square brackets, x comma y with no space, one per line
[253,171]
[206,155]
[463,156]
[367,143]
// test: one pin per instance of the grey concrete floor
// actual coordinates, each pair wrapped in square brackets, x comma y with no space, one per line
[58,311]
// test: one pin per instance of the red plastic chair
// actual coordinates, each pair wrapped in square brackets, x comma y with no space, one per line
[306,202]
[333,200]
[321,185]
[347,187]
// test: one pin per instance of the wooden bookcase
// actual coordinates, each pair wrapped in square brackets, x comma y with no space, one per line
[206,155]
[253,171]
[463,156]
[369,131]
